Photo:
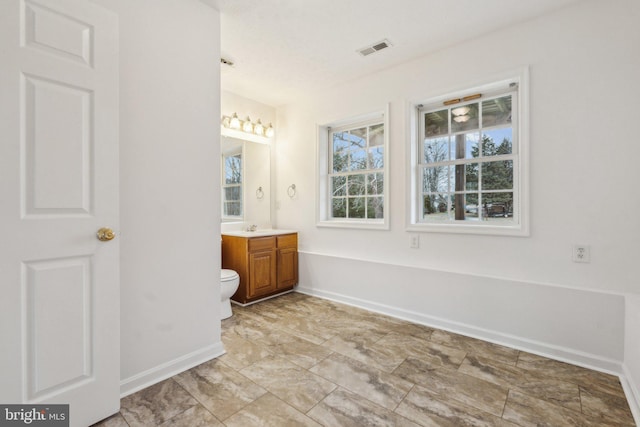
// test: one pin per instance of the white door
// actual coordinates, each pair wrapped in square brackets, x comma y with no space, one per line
[59,301]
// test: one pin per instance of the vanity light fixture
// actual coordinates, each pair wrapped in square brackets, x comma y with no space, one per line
[232,124]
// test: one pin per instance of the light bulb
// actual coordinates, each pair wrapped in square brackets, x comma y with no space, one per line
[270,131]
[247,126]
[258,129]
[234,123]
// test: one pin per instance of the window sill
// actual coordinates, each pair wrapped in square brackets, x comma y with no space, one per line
[516,230]
[369,225]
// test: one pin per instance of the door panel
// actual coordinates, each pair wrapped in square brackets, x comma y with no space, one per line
[58,131]
[58,298]
[57,33]
[59,312]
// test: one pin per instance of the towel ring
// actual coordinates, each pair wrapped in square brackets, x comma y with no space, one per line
[291,191]
[259,193]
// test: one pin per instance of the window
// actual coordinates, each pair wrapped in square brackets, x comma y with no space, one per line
[232,187]
[468,162]
[353,165]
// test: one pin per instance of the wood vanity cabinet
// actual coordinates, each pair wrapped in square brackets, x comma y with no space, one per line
[267,265]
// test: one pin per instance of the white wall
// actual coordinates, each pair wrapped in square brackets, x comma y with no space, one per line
[170,220]
[522,291]
[231,103]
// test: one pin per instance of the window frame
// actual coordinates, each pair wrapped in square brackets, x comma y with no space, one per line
[519,155]
[325,172]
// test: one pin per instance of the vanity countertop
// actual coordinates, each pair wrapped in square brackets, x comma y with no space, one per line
[258,233]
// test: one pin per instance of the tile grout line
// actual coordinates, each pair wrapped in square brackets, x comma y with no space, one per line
[195,398]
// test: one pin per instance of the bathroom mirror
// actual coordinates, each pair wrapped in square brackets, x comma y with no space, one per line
[246,179]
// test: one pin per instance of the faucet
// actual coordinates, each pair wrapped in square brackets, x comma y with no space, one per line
[252,227]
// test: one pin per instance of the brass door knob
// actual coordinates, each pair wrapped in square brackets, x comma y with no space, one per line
[105,234]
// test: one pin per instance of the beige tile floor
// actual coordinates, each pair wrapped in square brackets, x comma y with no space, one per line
[297,360]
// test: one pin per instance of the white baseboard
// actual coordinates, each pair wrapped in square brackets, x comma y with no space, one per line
[167,370]
[563,354]
[632,393]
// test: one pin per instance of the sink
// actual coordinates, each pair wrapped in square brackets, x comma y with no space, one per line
[258,233]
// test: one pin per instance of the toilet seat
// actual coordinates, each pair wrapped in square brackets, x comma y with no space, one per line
[227,275]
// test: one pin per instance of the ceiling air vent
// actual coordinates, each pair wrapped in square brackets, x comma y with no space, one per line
[374,48]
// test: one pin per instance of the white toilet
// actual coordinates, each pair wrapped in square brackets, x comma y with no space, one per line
[229,281]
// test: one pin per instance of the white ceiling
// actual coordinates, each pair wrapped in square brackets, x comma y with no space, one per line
[284,48]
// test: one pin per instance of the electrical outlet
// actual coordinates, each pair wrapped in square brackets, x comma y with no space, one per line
[581,253]
[415,241]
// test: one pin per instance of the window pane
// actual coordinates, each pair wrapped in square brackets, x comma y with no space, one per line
[340,141]
[436,150]
[232,209]
[338,208]
[375,208]
[232,193]
[497,175]
[464,118]
[471,176]
[358,160]
[497,141]
[233,169]
[464,207]
[356,185]
[435,207]
[340,161]
[375,183]
[358,138]
[436,123]
[356,207]
[497,205]
[472,145]
[376,158]
[339,185]
[376,135]
[465,146]
[436,179]
[496,111]
[471,206]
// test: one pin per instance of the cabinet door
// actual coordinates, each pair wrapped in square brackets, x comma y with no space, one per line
[287,267]
[262,273]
